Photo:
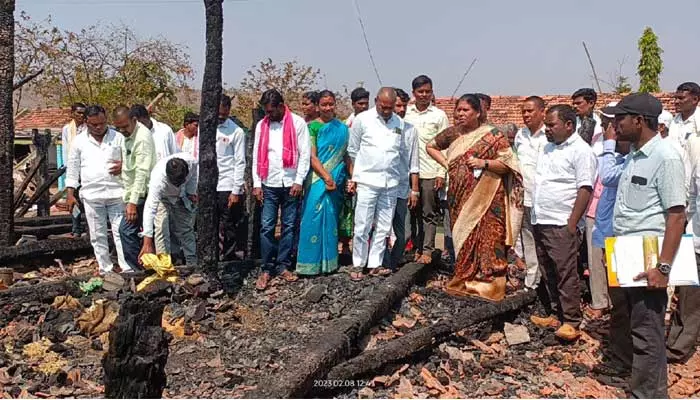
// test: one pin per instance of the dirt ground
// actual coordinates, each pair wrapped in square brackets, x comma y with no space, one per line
[227,347]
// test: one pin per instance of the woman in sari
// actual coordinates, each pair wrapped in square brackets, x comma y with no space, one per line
[485,199]
[323,201]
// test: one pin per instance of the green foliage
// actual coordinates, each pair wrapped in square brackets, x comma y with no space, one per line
[106,65]
[650,62]
[622,85]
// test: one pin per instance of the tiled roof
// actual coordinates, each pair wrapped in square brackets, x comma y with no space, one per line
[43,118]
[506,109]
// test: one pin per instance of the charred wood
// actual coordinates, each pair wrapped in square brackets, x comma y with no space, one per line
[405,346]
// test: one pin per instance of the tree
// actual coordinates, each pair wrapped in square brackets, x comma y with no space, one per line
[650,62]
[7,134]
[207,229]
[106,65]
[291,78]
[618,82]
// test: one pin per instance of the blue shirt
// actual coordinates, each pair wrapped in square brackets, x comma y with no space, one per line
[652,181]
[609,170]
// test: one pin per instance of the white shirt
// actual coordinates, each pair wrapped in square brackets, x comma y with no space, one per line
[277,175]
[681,130]
[409,160]
[561,170]
[164,139]
[429,123]
[66,140]
[528,147]
[88,166]
[160,187]
[378,150]
[230,157]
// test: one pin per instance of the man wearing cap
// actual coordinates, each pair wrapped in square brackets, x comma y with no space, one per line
[650,201]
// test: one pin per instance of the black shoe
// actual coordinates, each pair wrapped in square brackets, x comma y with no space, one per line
[612,367]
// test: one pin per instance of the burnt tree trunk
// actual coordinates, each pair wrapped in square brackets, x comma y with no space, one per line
[207,234]
[254,209]
[134,366]
[42,142]
[7,129]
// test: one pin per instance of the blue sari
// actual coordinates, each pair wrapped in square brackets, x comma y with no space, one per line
[318,236]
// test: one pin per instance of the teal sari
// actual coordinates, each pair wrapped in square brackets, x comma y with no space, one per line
[318,236]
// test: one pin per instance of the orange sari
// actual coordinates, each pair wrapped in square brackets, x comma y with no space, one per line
[486,211]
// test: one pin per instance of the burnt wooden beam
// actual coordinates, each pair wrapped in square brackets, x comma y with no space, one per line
[7,129]
[207,234]
[41,221]
[42,141]
[42,232]
[40,191]
[322,352]
[420,339]
[27,180]
[43,247]
[43,292]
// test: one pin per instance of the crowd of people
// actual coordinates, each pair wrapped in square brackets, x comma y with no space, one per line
[385,179]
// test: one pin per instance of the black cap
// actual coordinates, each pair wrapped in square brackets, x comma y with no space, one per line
[642,104]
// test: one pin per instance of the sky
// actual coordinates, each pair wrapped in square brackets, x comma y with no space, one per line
[521,47]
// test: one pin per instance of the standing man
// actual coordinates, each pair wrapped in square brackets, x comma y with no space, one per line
[165,145]
[138,159]
[75,127]
[360,103]
[173,185]
[650,201]
[281,160]
[376,148]
[564,177]
[230,156]
[93,164]
[409,189]
[429,121]
[583,101]
[529,143]
[188,137]
[686,123]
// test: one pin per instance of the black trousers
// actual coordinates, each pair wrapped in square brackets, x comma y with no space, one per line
[232,226]
[685,323]
[637,337]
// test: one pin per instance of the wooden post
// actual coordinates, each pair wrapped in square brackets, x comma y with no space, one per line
[7,129]
[254,209]
[42,142]
[207,234]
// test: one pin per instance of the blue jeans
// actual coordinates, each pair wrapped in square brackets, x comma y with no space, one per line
[277,257]
[131,241]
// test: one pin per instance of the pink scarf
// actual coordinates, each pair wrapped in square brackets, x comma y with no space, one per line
[289,144]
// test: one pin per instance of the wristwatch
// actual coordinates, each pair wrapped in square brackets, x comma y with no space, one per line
[664,268]
[417,194]
[486,164]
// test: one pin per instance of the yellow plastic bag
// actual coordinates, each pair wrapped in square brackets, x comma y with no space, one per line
[163,266]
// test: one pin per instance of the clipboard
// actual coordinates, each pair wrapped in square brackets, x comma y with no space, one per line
[628,256]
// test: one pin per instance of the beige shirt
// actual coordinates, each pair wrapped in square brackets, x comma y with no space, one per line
[429,123]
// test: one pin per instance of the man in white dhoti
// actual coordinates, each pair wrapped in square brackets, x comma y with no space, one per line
[377,149]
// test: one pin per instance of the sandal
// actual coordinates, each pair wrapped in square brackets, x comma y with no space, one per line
[417,257]
[380,271]
[356,274]
[289,276]
[263,281]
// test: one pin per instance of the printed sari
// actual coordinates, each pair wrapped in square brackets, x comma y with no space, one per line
[318,236]
[486,210]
